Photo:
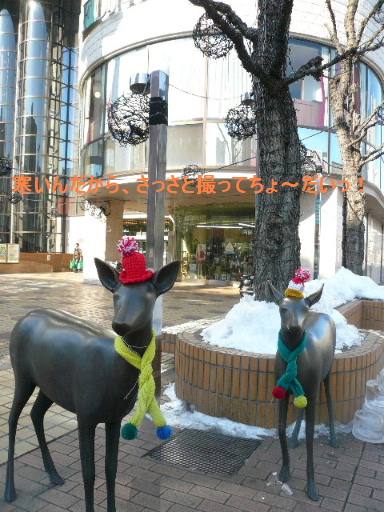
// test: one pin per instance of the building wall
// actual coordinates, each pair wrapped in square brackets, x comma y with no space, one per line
[122,30]
[374,248]
[178,17]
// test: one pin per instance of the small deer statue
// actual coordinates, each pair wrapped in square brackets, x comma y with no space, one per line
[89,371]
[306,348]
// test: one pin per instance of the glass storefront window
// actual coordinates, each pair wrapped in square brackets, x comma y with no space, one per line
[124,159]
[315,140]
[186,83]
[92,159]
[35,30]
[185,145]
[34,86]
[7,76]
[216,241]
[310,95]
[227,83]
[94,105]
[34,49]
[221,149]
[35,67]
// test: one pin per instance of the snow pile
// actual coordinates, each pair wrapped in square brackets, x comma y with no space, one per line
[253,326]
[178,414]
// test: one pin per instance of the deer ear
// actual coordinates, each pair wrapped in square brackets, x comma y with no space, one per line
[275,294]
[165,278]
[108,276]
[314,297]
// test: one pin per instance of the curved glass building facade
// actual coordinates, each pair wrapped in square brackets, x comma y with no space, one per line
[201,91]
[43,127]
[8,63]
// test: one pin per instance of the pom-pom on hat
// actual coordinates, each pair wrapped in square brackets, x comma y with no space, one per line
[134,263]
[296,285]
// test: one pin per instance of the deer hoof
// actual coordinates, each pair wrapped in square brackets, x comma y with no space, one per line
[334,443]
[9,495]
[284,474]
[312,492]
[294,443]
[56,479]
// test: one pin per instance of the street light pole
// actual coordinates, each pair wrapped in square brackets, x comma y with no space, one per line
[157,163]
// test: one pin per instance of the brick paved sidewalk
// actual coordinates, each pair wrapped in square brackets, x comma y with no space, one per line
[349,479]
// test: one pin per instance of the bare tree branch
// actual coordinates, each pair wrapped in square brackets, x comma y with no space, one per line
[366,20]
[220,7]
[215,11]
[333,33]
[373,155]
[367,123]
[370,41]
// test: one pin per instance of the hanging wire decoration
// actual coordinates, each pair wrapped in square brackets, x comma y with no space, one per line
[191,172]
[14,197]
[241,122]
[99,212]
[128,119]
[380,116]
[5,166]
[379,15]
[209,38]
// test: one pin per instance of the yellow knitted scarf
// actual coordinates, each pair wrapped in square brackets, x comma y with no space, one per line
[146,397]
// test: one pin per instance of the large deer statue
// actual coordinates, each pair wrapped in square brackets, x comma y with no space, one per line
[89,371]
[306,348]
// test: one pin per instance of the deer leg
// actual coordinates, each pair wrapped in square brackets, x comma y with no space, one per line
[40,407]
[294,441]
[87,456]
[332,435]
[112,436]
[283,409]
[309,433]
[22,393]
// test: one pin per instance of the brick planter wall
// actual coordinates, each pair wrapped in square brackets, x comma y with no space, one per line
[238,385]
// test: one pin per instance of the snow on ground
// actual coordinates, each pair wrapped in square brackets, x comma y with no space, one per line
[179,414]
[253,326]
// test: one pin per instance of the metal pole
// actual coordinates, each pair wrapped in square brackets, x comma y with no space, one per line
[158,120]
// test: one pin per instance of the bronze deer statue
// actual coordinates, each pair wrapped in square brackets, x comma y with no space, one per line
[313,366]
[75,365]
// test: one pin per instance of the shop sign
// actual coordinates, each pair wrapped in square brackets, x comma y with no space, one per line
[13,253]
[90,13]
[3,253]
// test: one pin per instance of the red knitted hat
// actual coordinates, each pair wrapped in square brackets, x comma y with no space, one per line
[133,262]
[296,285]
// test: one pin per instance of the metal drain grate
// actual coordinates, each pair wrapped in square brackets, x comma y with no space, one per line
[207,452]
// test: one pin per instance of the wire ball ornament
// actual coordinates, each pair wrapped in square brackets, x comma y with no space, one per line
[128,119]
[380,116]
[5,166]
[379,15]
[14,197]
[99,212]
[209,38]
[191,172]
[241,122]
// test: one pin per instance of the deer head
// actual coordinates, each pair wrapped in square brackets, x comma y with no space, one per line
[134,302]
[293,311]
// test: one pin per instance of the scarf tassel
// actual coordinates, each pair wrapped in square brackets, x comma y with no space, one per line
[146,397]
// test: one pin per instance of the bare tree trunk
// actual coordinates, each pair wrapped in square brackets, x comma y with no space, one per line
[277,244]
[353,216]
[343,92]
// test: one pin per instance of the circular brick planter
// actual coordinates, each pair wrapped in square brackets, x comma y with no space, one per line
[238,385]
